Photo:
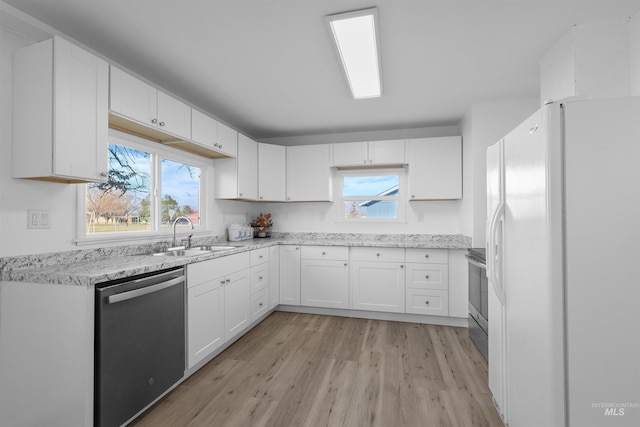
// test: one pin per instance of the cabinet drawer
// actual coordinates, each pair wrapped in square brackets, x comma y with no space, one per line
[435,303]
[338,253]
[427,276]
[377,254]
[259,304]
[259,277]
[259,256]
[439,256]
[200,272]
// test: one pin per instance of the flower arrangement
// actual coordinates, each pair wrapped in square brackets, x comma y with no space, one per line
[263,224]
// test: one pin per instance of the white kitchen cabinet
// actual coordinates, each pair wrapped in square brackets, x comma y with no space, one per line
[238,178]
[324,276]
[140,108]
[259,304]
[204,129]
[272,173]
[290,275]
[378,279]
[60,113]
[205,318]
[435,168]
[309,173]
[259,270]
[237,303]
[216,139]
[427,281]
[458,283]
[369,153]
[274,276]
[227,140]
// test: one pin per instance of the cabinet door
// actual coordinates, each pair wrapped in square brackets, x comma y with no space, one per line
[435,168]
[272,173]
[290,275]
[174,116]
[205,319]
[133,98]
[324,283]
[227,140]
[388,152]
[247,168]
[204,129]
[377,286]
[237,302]
[274,276]
[81,113]
[309,173]
[350,154]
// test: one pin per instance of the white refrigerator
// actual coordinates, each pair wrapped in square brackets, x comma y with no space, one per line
[563,261]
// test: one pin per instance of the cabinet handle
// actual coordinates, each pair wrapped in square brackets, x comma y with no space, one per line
[345,264]
[260,256]
[161,123]
[220,146]
[228,280]
[324,253]
[297,248]
[104,174]
[364,161]
[413,196]
[154,121]
[427,302]
[426,256]
[241,194]
[260,278]
[426,277]
[260,305]
[222,282]
[401,266]
[215,144]
[378,254]
[261,199]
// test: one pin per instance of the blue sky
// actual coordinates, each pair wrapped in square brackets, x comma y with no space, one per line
[368,185]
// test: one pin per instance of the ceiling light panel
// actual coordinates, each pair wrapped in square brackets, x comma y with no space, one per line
[355,37]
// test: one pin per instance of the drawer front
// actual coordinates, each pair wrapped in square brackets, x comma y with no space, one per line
[259,304]
[431,302]
[337,253]
[259,277]
[438,256]
[259,256]
[200,272]
[427,276]
[377,254]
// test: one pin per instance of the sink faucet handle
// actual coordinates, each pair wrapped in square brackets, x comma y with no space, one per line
[189,240]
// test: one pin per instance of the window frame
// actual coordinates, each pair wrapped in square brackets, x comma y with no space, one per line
[341,199]
[158,153]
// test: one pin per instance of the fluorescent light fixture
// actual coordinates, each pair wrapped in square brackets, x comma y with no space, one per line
[355,37]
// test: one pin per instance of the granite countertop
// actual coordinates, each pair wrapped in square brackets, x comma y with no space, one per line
[88,267]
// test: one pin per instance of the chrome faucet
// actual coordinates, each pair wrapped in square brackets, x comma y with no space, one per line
[173,243]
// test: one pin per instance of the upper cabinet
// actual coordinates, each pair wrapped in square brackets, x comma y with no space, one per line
[213,135]
[60,113]
[272,173]
[369,153]
[238,178]
[435,168]
[136,100]
[309,173]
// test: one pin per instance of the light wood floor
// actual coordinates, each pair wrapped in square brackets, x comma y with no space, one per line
[309,370]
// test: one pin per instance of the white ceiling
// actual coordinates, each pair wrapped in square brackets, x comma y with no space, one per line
[267,67]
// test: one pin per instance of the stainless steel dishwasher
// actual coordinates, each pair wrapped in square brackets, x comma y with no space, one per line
[139,343]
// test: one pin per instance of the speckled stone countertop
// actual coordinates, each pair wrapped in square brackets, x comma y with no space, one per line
[88,267]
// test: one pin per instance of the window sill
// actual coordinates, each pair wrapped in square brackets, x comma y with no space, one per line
[129,238]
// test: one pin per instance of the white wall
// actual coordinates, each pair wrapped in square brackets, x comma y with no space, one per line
[634,53]
[483,125]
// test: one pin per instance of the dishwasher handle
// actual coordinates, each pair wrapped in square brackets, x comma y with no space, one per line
[124,296]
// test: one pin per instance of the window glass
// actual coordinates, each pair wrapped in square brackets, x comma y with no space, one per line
[122,203]
[370,195]
[180,193]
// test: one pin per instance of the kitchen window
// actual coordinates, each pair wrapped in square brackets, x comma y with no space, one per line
[149,186]
[371,195]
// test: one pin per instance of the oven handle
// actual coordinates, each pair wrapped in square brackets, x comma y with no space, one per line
[474,262]
[124,296]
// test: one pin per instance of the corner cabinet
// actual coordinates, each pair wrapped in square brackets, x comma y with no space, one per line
[60,113]
[309,173]
[435,168]
[238,178]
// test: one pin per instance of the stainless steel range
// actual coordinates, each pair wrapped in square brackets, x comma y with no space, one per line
[478,299]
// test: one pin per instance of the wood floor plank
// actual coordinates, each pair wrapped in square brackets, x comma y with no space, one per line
[322,371]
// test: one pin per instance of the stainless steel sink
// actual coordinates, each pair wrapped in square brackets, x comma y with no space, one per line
[196,250]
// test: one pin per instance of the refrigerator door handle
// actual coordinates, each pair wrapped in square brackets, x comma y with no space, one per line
[495,252]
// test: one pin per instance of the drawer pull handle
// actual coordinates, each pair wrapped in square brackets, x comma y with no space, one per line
[378,254]
[260,305]
[426,256]
[401,265]
[324,253]
[222,282]
[345,264]
[228,280]
[260,278]
[260,256]
[426,277]
[427,302]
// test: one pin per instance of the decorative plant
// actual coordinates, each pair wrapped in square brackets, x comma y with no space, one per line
[263,221]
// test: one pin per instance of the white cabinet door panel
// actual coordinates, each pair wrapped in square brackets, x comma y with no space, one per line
[378,286]
[324,283]
[205,320]
[237,303]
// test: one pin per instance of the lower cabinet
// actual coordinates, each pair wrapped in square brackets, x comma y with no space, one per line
[290,275]
[205,320]
[274,276]
[237,314]
[324,277]
[427,284]
[377,279]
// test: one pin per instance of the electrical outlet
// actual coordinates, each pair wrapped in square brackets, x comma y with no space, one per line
[38,219]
